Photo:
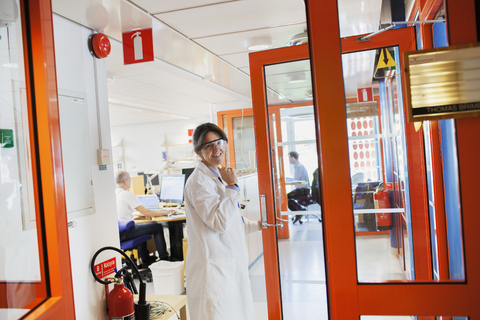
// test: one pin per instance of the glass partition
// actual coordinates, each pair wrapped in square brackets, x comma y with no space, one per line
[377,167]
[21,276]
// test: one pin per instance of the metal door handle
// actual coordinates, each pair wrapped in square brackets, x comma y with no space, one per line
[263,206]
[266,225]
[280,164]
[282,219]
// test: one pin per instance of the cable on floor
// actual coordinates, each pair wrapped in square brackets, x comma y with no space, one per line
[158,309]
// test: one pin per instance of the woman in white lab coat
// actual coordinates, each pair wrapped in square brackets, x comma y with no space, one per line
[217,281]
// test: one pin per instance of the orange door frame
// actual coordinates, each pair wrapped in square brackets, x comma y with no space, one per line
[429,12]
[44,127]
[420,297]
[265,182]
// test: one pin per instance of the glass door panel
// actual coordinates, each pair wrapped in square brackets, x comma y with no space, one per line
[244,142]
[377,167]
[22,279]
[293,151]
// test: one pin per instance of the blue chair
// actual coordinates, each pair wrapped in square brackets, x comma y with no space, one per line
[132,243]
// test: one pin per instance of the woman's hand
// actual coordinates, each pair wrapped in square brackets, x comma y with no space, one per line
[228,175]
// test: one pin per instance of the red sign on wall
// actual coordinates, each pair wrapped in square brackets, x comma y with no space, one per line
[137,46]
[365,94]
[105,268]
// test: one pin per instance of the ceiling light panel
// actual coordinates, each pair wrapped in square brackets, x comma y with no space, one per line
[235,16]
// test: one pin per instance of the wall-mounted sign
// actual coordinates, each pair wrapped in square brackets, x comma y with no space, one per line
[105,268]
[137,46]
[386,60]
[6,138]
[443,83]
[365,94]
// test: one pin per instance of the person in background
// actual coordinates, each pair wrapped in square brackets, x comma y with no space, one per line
[301,189]
[126,203]
[218,283]
[316,188]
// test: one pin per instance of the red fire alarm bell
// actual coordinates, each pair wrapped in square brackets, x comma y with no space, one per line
[99,45]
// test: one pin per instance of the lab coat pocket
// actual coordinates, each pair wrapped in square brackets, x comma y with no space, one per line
[220,282]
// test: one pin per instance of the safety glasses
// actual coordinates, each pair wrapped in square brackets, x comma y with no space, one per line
[210,146]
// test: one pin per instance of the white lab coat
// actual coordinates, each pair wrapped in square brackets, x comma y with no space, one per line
[218,286]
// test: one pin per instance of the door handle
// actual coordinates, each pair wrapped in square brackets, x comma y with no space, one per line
[263,205]
[280,164]
[266,225]
[282,219]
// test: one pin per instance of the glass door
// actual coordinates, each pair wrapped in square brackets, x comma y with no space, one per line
[35,276]
[374,230]
[293,151]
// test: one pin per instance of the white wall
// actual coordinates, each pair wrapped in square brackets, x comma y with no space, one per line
[142,143]
[76,72]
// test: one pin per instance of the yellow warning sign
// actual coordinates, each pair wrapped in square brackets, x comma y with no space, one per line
[385,60]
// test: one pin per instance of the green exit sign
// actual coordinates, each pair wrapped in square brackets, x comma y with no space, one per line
[6,138]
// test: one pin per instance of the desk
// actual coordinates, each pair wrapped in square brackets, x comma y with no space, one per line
[177,302]
[177,217]
[175,229]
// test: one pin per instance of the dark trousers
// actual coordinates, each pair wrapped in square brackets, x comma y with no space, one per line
[155,229]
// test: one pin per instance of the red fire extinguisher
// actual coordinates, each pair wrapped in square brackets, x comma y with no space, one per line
[120,302]
[384,219]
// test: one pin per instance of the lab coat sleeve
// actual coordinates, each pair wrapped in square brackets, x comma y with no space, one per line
[216,212]
[250,226]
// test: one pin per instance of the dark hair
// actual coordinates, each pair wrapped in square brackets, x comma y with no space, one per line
[293,154]
[202,130]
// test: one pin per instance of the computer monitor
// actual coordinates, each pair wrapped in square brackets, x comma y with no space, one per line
[187,172]
[149,201]
[171,188]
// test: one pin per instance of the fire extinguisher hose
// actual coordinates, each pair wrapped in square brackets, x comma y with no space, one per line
[143,285]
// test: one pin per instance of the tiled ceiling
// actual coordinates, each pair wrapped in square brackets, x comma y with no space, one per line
[201,59]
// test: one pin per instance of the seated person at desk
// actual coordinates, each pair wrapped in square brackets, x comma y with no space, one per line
[126,203]
[299,190]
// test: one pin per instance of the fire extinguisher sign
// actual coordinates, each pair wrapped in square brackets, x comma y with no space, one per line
[105,268]
[365,94]
[137,46]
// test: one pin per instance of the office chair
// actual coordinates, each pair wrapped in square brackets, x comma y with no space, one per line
[133,244]
[301,203]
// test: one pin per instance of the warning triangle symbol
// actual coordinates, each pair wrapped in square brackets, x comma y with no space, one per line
[385,60]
